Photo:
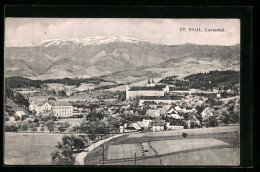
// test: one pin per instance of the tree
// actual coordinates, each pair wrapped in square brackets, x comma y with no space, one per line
[46,118]
[84,127]
[42,128]
[78,143]
[61,128]
[24,126]
[11,128]
[66,125]
[33,112]
[63,155]
[101,129]
[33,126]
[50,125]
[76,128]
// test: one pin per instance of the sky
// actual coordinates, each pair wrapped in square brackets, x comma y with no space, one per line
[21,31]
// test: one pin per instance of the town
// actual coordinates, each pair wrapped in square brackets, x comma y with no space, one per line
[170,104]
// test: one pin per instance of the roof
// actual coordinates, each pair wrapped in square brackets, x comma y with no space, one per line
[179,89]
[38,103]
[134,125]
[175,116]
[140,124]
[175,123]
[59,103]
[172,111]
[206,112]
[158,122]
[154,88]
[20,112]
[160,97]
[150,81]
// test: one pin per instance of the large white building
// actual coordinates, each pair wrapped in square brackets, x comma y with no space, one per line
[62,109]
[58,108]
[149,90]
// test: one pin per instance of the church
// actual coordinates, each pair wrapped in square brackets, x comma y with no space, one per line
[151,89]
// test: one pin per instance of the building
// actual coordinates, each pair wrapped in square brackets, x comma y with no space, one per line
[58,108]
[12,119]
[151,89]
[36,106]
[20,114]
[62,109]
[172,126]
[146,122]
[46,107]
[131,127]
[172,113]
[206,113]
[159,99]
[154,113]
[158,125]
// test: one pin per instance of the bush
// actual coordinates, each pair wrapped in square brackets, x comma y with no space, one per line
[24,126]
[11,128]
[184,135]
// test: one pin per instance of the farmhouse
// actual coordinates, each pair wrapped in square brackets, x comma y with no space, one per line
[158,125]
[20,114]
[154,113]
[131,126]
[36,106]
[206,113]
[149,90]
[174,127]
[146,122]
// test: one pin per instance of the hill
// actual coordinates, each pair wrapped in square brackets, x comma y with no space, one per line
[220,79]
[114,56]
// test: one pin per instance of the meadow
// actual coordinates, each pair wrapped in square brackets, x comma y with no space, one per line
[29,148]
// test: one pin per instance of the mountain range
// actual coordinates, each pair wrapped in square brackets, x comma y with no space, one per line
[116,58]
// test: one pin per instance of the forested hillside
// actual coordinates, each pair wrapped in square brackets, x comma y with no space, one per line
[220,79]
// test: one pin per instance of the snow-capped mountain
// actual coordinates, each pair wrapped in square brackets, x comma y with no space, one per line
[115,56]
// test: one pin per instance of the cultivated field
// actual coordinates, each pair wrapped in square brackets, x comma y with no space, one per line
[208,146]
[124,151]
[29,149]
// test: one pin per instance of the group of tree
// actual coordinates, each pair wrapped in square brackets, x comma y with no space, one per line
[21,100]
[63,127]
[223,112]
[64,153]
[94,129]
[218,79]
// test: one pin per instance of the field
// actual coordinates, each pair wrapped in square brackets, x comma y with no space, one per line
[29,149]
[209,146]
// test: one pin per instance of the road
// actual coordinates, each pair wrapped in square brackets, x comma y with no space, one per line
[79,160]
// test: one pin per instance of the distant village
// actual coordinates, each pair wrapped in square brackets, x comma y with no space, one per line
[151,107]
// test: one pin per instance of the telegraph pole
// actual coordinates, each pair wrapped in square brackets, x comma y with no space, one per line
[103,154]
[135,158]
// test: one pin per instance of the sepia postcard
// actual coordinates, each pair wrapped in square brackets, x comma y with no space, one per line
[122,91]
